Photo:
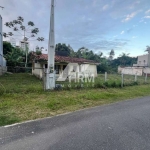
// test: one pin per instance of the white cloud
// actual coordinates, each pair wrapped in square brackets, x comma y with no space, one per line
[122,32]
[148,11]
[141,20]
[134,4]
[115,36]
[129,17]
[105,7]
[147,17]
[133,37]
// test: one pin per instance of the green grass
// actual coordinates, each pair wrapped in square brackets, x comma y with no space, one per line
[22,97]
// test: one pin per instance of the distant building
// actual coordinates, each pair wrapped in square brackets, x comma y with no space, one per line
[141,68]
[143,61]
[13,42]
[24,44]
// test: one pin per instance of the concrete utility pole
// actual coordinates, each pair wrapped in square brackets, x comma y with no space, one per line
[1,40]
[50,74]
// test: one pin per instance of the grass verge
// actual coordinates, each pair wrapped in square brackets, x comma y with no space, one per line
[22,98]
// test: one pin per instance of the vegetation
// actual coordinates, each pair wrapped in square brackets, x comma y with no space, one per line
[20,29]
[14,56]
[109,64]
[22,97]
[147,49]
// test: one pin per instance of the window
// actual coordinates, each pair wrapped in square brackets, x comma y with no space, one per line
[46,66]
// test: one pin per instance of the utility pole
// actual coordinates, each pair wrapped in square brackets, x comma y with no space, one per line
[50,74]
[1,40]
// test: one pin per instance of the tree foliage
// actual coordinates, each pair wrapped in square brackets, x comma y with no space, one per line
[62,49]
[14,56]
[106,64]
[147,49]
[27,30]
[111,54]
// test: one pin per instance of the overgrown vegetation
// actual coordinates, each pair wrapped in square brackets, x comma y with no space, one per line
[16,57]
[22,97]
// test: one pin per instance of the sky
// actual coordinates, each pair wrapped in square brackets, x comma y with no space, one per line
[99,25]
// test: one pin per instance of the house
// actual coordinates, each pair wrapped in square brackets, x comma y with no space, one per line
[142,67]
[84,65]
[143,61]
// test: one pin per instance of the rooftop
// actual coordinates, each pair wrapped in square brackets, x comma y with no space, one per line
[64,59]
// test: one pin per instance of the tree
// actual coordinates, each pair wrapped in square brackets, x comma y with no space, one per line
[15,57]
[38,50]
[62,49]
[7,47]
[124,60]
[111,54]
[147,49]
[72,53]
[26,31]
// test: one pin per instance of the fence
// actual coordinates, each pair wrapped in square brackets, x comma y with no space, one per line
[19,69]
[23,81]
[106,80]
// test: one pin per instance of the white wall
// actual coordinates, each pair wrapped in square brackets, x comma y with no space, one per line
[131,70]
[143,58]
[85,68]
[146,70]
[89,68]
[38,71]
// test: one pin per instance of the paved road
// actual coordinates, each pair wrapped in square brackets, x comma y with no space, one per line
[120,126]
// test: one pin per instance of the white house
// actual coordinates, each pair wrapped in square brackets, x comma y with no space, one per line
[142,66]
[84,65]
[143,61]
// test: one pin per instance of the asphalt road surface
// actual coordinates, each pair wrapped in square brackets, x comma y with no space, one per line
[120,126]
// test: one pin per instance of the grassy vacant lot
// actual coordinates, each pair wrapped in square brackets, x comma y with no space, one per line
[22,97]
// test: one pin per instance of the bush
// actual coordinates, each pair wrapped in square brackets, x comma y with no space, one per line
[113,84]
[106,84]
